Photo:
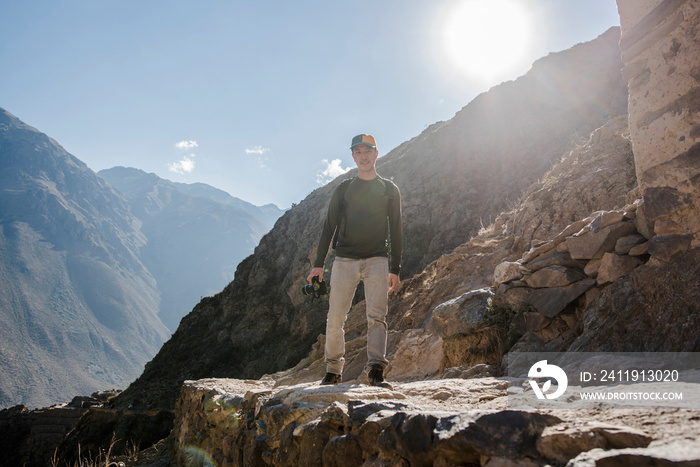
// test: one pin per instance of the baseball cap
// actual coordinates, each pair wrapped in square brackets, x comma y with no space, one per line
[367,140]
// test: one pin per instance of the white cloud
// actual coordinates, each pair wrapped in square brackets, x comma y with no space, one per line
[333,169]
[186,145]
[259,151]
[186,165]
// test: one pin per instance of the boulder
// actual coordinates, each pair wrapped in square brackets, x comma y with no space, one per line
[496,461]
[591,268]
[552,258]
[614,266]
[464,438]
[625,244]
[606,218]
[674,452]
[408,437]
[655,308]
[668,248]
[562,443]
[506,272]
[664,200]
[313,438]
[551,301]
[554,276]
[530,321]
[460,315]
[538,250]
[639,250]
[511,296]
[589,244]
[418,354]
[644,226]
[342,451]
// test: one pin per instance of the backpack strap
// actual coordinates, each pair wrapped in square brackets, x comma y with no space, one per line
[389,190]
[342,188]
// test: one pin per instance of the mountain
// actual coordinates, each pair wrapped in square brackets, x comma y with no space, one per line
[615,221]
[77,304]
[196,235]
[454,177]
[599,260]
[268,212]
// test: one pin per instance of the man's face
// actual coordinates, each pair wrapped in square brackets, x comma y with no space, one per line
[364,156]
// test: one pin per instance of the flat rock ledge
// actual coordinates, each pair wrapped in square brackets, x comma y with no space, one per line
[447,422]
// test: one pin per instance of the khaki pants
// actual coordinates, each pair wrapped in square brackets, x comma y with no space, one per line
[346,275]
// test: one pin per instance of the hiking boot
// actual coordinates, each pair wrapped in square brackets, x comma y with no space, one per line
[376,377]
[330,378]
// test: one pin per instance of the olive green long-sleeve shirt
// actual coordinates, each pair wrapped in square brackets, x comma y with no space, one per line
[367,220]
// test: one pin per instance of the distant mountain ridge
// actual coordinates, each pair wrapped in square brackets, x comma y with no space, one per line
[197,235]
[93,272]
[268,212]
[77,305]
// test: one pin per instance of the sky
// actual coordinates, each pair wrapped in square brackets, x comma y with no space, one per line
[261,98]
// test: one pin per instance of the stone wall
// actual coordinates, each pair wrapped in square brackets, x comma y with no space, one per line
[29,437]
[449,422]
[660,46]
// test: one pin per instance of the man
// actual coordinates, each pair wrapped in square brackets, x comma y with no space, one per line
[363,215]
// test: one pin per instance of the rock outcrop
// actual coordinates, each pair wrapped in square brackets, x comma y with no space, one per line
[30,437]
[556,288]
[448,422]
[660,44]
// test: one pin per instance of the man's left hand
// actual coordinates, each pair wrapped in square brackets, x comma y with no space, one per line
[393,282]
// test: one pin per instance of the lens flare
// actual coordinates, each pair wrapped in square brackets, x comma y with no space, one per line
[198,457]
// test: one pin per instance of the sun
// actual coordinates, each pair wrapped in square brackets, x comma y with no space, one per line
[487,39]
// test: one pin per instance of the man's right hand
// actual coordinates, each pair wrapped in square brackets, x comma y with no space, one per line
[315,272]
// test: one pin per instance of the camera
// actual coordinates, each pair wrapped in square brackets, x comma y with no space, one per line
[316,288]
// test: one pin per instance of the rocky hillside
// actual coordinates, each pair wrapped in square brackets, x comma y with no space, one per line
[196,235]
[77,305]
[441,318]
[457,176]
[454,177]
[600,255]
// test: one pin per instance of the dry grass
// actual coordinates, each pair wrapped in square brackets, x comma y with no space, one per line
[104,459]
